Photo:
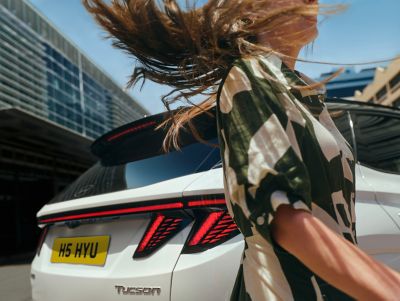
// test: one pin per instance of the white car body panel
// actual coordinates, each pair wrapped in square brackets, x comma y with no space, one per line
[210,182]
[82,282]
[387,190]
[378,228]
[209,275]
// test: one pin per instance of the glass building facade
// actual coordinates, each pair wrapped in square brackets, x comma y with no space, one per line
[43,73]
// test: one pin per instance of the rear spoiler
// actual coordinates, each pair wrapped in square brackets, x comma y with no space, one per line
[140,139]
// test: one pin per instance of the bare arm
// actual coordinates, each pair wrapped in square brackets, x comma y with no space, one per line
[334,259]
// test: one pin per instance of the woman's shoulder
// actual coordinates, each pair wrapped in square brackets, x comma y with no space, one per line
[271,72]
[259,73]
[255,81]
[256,68]
[266,68]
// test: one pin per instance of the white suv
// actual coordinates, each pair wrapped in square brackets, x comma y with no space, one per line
[144,225]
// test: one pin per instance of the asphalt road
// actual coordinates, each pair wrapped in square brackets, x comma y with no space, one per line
[15,283]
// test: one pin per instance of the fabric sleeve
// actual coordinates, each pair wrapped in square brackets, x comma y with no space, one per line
[260,134]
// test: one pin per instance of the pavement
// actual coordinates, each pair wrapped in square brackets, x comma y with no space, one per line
[15,282]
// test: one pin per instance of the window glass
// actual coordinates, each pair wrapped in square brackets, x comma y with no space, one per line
[101,179]
[396,103]
[381,93]
[395,82]
[194,158]
[342,121]
[378,141]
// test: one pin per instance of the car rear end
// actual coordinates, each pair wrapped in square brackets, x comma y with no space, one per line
[140,224]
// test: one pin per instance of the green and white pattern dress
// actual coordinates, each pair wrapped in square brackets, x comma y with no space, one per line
[280,146]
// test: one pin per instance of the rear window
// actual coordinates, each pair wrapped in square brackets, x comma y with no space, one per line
[105,177]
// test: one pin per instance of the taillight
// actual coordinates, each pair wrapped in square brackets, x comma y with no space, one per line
[42,237]
[161,229]
[132,129]
[137,208]
[209,230]
[206,202]
[212,223]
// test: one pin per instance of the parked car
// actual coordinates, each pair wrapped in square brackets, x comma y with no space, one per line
[142,224]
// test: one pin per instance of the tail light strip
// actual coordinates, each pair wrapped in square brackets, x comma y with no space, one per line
[203,203]
[135,208]
[141,209]
[212,226]
[132,130]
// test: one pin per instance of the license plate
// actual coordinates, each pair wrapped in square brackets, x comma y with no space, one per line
[90,250]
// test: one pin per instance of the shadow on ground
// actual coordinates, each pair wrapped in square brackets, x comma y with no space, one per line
[15,278]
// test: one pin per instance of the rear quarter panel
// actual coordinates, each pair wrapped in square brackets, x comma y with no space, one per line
[378,219]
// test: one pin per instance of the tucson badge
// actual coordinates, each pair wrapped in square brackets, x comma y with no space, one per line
[137,290]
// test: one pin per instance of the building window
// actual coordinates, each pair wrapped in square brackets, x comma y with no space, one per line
[381,93]
[394,83]
[396,103]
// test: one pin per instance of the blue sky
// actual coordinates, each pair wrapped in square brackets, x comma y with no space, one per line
[368,30]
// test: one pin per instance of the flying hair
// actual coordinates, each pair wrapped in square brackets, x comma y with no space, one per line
[191,49]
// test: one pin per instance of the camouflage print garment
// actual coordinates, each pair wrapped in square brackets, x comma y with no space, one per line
[280,146]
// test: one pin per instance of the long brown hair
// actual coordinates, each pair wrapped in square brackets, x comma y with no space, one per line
[189,49]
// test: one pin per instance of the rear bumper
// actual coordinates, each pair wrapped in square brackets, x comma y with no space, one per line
[166,275]
[66,282]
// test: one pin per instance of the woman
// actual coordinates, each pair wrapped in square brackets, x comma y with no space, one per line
[289,174]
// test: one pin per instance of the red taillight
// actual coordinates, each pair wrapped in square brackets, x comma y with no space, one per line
[134,208]
[155,225]
[42,237]
[205,228]
[213,229]
[204,203]
[212,225]
[161,229]
[138,209]
[132,130]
